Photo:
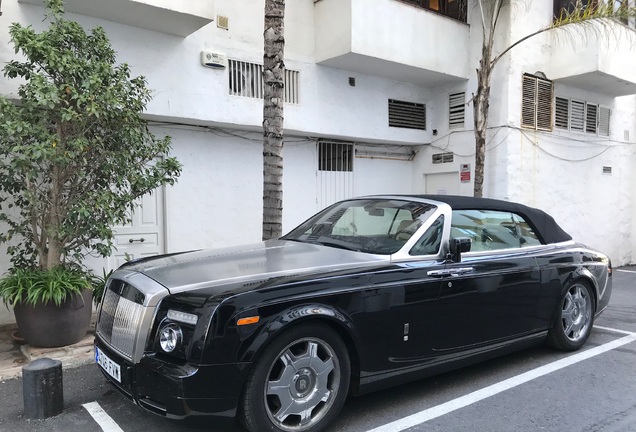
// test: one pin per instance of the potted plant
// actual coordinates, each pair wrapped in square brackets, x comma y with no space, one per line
[75,156]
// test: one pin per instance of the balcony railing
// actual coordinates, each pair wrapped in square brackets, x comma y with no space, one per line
[455,9]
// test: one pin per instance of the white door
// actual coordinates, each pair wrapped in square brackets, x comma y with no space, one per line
[144,236]
[442,183]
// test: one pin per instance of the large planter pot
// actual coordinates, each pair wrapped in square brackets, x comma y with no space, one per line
[49,326]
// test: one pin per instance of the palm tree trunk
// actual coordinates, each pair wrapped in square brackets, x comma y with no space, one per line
[273,104]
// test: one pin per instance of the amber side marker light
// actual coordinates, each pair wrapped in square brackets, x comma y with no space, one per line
[248,320]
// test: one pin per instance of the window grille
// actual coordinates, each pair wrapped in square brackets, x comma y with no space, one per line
[246,80]
[409,115]
[335,156]
[456,110]
[536,103]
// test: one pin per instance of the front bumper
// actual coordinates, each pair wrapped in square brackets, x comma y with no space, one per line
[178,390]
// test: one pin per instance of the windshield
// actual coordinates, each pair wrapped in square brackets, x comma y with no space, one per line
[372,225]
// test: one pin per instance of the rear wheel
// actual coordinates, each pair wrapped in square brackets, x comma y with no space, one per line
[299,384]
[574,318]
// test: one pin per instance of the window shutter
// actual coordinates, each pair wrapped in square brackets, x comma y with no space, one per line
[536,103]
[528,105]
[562,113]
[577,117]
[591,118]
[456,110]
[544,105]
[603,121]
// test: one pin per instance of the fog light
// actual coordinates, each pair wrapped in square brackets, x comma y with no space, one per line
[170,337]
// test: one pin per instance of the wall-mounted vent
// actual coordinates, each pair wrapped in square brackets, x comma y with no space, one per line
[222,22]
[607,170]
[246,79]
[561,113]
[440,158]
[409,115]
[456,110]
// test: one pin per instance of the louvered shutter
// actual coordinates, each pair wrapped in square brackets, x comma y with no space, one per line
[591,118]
[577,115]
[562,113]
[456,110]
[544,105]
[603,121]
[528,102]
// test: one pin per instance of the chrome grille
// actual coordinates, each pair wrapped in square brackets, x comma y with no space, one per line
[119,323]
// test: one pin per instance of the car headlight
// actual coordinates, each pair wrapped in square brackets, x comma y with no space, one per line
[170,337]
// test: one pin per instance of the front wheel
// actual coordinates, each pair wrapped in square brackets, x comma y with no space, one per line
[299,384]
[574,318]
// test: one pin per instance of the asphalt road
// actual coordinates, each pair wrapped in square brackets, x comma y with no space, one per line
[592,390]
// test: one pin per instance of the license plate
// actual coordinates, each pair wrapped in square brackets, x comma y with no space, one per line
[111,368]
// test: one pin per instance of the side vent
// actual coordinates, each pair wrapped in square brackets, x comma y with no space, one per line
[409,115]
[222,22]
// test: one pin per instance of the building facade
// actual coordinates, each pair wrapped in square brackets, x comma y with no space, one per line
[378,101]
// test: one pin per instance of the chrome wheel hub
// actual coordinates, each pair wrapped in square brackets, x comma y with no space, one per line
[576,315]
[302,385]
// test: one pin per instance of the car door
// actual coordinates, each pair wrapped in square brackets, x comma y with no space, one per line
[415,296]
[493,293]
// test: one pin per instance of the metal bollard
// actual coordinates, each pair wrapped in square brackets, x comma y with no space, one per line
[42,388]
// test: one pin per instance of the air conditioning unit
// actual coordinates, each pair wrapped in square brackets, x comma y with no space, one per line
[213,60]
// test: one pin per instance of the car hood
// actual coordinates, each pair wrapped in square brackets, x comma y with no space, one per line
[264,260]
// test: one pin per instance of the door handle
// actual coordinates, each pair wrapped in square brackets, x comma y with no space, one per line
[140,240]
[450,272]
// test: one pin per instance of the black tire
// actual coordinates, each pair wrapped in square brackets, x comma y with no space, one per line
[322,388]
[574,317]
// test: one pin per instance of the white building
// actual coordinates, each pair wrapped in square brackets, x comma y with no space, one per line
[377,95]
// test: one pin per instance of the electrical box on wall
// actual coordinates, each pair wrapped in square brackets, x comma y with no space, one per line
[214,60]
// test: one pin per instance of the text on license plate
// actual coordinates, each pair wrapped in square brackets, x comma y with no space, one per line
[111,368]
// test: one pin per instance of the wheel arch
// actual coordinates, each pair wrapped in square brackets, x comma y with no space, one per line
[293,317]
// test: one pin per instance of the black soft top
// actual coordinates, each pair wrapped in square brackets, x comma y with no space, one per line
[543,224]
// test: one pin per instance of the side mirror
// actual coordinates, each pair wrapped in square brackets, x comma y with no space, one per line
[458,246]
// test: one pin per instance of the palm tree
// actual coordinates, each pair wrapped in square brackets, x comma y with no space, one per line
[580,14]
[273,104]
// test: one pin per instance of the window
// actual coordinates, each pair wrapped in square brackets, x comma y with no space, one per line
[430,242]
[536,103]
[456,110]
[409,115]
[580,116]
[246,79]
[492,230]
[335,156]
[440,158]
[564,7]
[451,8]
[372,225]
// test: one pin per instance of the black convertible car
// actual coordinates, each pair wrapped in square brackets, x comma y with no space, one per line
[369,293]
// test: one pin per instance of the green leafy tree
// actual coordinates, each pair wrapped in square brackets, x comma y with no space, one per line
[75,153]
[582,16]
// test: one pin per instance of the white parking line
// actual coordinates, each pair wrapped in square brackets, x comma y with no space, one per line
[614,330]
[103,420]
[479,395]
[627,271]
